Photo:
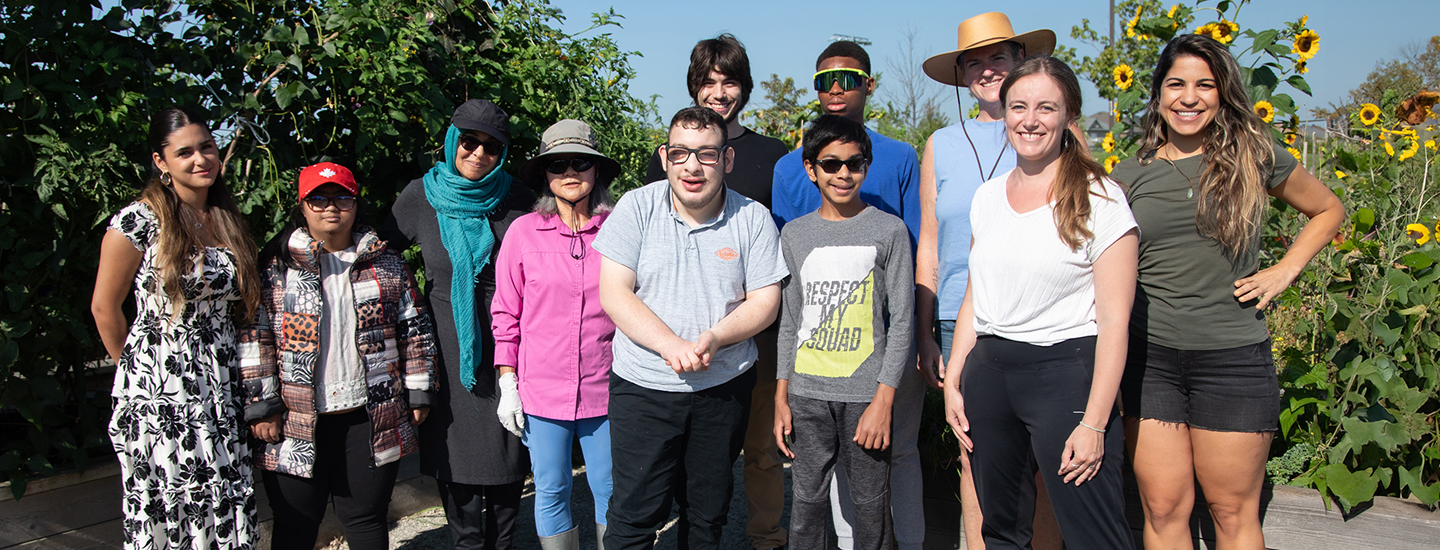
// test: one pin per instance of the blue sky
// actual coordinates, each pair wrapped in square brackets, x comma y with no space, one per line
[784,37]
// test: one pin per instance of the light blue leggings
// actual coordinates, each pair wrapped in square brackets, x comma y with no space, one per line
[550,442]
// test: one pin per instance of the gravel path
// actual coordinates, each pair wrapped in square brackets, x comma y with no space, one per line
[426,530]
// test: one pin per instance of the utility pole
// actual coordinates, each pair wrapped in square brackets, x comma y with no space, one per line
[1112,22]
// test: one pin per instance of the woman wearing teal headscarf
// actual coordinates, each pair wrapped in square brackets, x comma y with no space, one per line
[458,213]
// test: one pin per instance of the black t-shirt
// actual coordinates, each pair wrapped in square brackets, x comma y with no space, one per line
[755,157]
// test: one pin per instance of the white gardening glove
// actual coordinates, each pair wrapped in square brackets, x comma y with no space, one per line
[509,411]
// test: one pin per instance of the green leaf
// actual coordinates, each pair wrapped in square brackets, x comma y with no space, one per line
[1414,480]
[47,387]
[1385,333]
[1417,260]
[1350,487]
[1283,103]
[1364,219]
[1265,78]
[278,33]
[1299,83]
[285,94]
[1264,39]
[15,294]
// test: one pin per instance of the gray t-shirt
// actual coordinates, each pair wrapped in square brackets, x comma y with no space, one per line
[847,318]
[690,277]
[1185,298]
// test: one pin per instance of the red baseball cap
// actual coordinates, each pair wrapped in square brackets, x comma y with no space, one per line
[315,175]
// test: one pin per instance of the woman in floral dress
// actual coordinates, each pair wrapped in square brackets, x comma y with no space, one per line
[176,424]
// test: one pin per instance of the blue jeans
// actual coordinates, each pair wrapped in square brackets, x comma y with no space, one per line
[550,444]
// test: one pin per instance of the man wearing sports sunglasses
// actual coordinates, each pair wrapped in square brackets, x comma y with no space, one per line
[892,184]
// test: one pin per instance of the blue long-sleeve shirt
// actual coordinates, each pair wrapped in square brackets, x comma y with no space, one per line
[892,184]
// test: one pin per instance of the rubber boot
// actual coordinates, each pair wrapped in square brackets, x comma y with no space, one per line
[569,540]
[599,536]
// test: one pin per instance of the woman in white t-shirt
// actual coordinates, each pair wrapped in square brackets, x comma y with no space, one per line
[1041,335]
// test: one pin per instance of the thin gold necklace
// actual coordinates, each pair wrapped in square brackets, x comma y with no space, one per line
[1189,193]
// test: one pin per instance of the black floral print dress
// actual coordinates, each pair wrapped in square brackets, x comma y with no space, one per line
[177,426]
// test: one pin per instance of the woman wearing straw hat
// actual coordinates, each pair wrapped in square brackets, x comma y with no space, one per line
[552,339]
[957,160]
[458,213]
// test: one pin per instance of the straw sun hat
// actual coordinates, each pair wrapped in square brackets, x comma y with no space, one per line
[980,31]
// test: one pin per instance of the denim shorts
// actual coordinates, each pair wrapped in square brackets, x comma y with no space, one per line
[1223,390]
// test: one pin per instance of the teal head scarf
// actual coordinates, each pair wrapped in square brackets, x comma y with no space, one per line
[462,206]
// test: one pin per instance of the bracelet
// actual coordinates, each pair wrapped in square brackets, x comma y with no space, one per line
[1082,423]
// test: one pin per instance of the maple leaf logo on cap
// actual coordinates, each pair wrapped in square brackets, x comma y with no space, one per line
[327,172]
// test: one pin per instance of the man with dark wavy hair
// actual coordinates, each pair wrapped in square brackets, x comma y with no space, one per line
[719,80]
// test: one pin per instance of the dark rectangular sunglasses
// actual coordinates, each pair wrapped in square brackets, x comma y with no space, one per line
[856,165]
[491,147]
[580,164]
[849,79]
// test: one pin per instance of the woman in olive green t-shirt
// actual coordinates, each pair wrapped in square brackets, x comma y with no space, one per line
[1200,395]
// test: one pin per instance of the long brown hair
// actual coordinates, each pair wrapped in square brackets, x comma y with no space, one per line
[1071,190]
[178,241]
[1238,153]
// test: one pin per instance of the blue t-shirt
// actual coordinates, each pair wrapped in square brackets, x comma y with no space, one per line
[892,184]
[957,176]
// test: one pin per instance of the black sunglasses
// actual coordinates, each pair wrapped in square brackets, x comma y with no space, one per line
[580,164]
[855,164]
[319,204]
[706,155]
[491,147]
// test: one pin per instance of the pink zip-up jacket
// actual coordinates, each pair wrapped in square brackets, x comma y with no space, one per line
[547,319]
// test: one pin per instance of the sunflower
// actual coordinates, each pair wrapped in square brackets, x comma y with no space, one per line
[1301,67]
[1108,144]
[1430,144]
[1130,26]
[1389,149]
[1340,174]
[1117,116]
[1369,114]
[1222,31]
[1294,153]
[1173,9]
[1289,138]
[1307,44]
[1110,163]
[1124,76]
[1264,110]
[1410,150]
[1419,232]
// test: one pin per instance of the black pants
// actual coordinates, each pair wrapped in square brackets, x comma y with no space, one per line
[1022,398]
[481,517]
[343,459]
[660,440]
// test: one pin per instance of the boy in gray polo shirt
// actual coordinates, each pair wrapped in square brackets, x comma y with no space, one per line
[691,271]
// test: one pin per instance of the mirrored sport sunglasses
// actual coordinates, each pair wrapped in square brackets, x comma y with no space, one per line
[491,147]
[320,204]
[580,164]
[856,165]
[678,155]
[849,79]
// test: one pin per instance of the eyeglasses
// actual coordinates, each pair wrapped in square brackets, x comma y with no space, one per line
[320,204]
[856,165]
[490,147]
[849,79]
[706,155]
[580,164]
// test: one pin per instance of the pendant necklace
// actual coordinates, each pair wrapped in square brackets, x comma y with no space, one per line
[1189,193]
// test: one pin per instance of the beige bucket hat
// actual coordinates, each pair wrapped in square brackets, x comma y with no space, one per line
[980,31]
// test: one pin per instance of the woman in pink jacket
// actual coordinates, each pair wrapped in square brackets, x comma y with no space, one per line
[552,340]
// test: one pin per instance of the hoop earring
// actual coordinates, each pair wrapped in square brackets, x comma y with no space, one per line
[166,179]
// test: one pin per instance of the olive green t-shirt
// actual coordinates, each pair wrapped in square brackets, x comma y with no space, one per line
[1185,297]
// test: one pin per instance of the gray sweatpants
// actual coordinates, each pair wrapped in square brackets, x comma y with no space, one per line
[822,432]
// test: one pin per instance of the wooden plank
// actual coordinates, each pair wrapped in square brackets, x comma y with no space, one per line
[56,511]
[1295,517]
[61,481]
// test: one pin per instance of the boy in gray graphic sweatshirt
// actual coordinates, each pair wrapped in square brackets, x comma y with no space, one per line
[845,339]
